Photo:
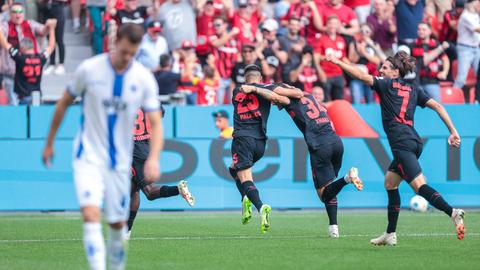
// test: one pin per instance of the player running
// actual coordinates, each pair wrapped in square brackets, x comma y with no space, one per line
[252,102]
[398,100]
[141,149]
[326,153]
[112,86]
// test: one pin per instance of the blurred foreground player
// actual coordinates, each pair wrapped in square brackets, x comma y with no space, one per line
[326,153]
[252,102]
[141,150]
[112,86]
[398,100]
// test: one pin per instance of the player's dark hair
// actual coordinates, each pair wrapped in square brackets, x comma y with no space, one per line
[252,70]
[165,60]
[403,62]
[132,32]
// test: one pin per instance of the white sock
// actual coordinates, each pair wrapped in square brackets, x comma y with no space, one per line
[76,22]
[117,248]
[94,245]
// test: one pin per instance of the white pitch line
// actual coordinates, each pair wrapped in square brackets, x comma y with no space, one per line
[237,237]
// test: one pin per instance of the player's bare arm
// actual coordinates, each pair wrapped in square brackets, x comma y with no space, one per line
[265,93]
[352,70]
[152,167]
[454,138]
[288,91]
[60,109]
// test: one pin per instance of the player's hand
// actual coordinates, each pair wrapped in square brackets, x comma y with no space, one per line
[151,171]
[454,140]
[247,88]
[47,156]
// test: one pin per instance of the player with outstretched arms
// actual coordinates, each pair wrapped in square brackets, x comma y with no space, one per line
[112,86]
[326,153]
[398,100]
[252,102]
[141,150]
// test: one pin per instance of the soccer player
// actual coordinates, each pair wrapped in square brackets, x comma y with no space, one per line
[112,86]
[326,152]
[252,102]
[141,149]
[398,100]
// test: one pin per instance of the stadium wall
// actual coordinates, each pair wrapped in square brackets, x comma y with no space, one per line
[193,152]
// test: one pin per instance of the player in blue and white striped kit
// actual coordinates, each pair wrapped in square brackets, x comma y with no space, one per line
[112,86]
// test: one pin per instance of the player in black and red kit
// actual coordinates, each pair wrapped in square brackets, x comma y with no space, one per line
[398,100]
[141,137]
[326,152]
[252,102]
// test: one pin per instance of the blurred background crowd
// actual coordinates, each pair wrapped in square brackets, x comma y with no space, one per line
[197,49]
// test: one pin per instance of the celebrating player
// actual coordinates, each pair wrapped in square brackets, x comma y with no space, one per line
[252,103]
[398,100]
[141,138]
[112,86]
[326,152]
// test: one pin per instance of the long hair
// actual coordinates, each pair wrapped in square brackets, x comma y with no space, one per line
[403,62]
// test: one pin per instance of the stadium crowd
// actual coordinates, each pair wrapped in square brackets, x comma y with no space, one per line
[198,49]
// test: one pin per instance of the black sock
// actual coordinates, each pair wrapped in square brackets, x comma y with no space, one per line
[393,209]
[333,189]
[252,193]
[331,207]
[435,199]
[168,191]
[131,218]
[233,173]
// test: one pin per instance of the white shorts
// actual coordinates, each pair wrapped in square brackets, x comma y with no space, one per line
[96,185]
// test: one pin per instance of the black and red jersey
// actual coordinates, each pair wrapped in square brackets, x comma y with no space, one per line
[141,134]
[312,120]
[398,101]
[427,73]
[137,16]
[250,113]
[28,73]
[225,56]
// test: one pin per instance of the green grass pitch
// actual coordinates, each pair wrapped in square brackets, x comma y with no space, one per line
[217,240]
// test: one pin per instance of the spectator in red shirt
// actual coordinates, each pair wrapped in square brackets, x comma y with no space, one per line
[308,73]
[361,7]
[247,19]
[349,26]
[225,49]
[310,19]
[208,87]
[449,32]
[333,44]
[384,26]
[206,13]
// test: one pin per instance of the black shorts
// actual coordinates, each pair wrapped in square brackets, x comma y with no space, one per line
[138,178]
[405,160]
[326,162]
[246,151]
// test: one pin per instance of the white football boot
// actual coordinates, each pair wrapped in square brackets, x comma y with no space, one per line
[352,178]
[457,217]
[183,190]
[333,231]
[386,239]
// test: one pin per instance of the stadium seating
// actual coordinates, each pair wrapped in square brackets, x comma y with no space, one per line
[452,95]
